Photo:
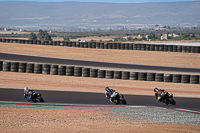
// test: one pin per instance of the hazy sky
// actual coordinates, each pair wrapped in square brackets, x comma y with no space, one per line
[109,1]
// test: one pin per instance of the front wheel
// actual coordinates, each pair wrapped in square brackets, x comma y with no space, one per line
[123,101]
[41,99]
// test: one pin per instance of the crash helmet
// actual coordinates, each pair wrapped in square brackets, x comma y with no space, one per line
[155,89]
[107,89]
[26,88]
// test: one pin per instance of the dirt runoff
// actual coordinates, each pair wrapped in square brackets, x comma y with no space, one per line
[78,121]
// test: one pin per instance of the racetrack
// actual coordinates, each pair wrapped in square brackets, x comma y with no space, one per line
[39,59]
[69,97]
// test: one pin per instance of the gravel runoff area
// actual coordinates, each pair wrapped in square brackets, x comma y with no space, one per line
[23,118]
[97,119]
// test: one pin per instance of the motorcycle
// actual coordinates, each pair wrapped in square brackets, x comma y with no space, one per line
[167,99]
[118,99]
[33,96]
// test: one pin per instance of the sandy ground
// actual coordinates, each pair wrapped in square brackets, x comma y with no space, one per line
[79,121]
[175,59]
[39,120]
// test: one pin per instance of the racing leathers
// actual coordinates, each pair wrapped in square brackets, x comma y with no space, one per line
[28,93]
[111,94]
[159,93]
[113,97]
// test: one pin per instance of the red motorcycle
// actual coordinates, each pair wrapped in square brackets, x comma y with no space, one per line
[164,97]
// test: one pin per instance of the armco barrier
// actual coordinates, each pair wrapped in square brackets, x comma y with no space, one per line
[78,71]
[122,46]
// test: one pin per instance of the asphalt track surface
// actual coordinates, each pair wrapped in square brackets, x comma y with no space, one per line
[94,98]
[67,97]
[63,61]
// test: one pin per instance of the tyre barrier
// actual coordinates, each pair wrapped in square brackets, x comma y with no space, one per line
[70,70]
[152,47]
[93,73]
[142,76]
[122,46]
[61,70]
[109,74]
[125,75]
[38,68]
[14,66]
[101,73]
[176,78]
[159,77]
[46,69]
[147,47]
[133,75]
[185,79]
[96,73]
[117,74]
[77,71]
[167,77]
[150,76]
[194,79]
[30,68]
[6,66]
[54,70]
[85,72]
[1,64]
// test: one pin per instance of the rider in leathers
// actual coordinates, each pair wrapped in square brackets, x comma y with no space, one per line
[110,93]
[28,93]
[159,92]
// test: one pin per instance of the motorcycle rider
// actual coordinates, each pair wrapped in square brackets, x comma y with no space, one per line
[108,92]
[111,93]
[28,93]
[161,93]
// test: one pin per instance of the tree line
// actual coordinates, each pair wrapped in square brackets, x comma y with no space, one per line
[42,35]
[182,34]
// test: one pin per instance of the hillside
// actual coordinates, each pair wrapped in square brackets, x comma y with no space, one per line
[75,15]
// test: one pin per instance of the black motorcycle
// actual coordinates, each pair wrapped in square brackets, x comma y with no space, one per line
[118,99]
[167,99]
[33,96]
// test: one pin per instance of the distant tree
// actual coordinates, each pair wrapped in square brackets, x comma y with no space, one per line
[43,35]
[32,36]
[129,38]
[184,36]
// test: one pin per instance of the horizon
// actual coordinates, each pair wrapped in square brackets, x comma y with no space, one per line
[102,1]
